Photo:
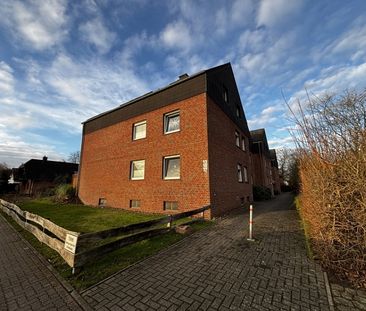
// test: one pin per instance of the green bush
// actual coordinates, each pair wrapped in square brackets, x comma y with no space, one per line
[261,193]
[64,192]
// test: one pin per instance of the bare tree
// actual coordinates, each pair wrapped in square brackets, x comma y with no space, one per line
[74,157]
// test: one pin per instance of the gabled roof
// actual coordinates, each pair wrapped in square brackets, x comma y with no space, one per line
[259,142]
[273,156]
[45,170]
[185,87]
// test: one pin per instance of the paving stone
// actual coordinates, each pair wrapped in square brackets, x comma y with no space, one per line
[25,281]
[211,268]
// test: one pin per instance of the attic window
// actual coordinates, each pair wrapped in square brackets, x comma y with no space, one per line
[238,111]
[226,95]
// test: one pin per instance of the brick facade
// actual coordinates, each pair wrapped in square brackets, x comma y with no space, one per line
[107,154]
[206,143]
[226,191]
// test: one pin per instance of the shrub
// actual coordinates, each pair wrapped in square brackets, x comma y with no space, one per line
[64,193]
[261,193]
[332,145]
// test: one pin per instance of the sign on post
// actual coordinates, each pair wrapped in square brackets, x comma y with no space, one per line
[70,243]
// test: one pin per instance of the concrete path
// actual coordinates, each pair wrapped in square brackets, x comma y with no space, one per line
[218,269]
[25,281]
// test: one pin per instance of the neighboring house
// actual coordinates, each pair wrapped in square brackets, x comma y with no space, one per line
[276,180]
[38,175]
[175,149]
[261,160]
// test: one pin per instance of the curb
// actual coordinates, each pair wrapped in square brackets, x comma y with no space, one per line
[74,294]
[329,292]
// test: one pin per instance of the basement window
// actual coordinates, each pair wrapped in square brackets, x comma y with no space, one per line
[139,130]
[170,205]
[137,170]
[240,174]
[135,203]
[171,169]
[172,122]
[102,202]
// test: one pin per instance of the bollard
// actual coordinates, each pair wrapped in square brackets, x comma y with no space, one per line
[250,223]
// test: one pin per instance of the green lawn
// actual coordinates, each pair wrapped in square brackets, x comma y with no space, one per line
[82,218]
[87,219]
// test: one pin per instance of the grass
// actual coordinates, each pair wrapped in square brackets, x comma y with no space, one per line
[305,227]
[82,218]
[87,219]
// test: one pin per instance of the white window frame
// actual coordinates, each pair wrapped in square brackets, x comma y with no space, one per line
[239,172]
[166,118]
[237,138]
[131,170]
[134,130]
[177,156]
[243,147]
[245,171]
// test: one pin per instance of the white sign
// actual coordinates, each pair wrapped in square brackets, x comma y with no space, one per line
[205,165]
[70,243]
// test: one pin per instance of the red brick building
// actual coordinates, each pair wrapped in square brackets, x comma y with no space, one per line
[175,149]
[276,180]
[261,160]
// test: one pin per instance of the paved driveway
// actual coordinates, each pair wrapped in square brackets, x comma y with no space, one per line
[25,281]
[218,269]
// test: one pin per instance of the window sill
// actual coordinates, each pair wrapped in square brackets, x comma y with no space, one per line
[171,132]
[138,138]
[171,178]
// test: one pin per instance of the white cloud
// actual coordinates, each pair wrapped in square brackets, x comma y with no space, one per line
[332,80]
[281,142]
[96,33]
[177,35]
[274,12]
[41,24]
[6,79]
[241,12]
[15,150]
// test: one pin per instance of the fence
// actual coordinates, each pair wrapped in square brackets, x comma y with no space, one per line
[44,230]
[76,248]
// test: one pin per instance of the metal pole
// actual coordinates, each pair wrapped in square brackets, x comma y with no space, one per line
[250,223]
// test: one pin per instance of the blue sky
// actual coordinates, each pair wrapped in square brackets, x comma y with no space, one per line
[62,62]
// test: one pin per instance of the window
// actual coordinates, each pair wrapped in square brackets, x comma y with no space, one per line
[245,170]
[102,202]
[135,203]
[225,95]
[237,139]
[238,111]
[240,176]
[137,170]
[172,167]
[171,122]
[243,143]
[139,130]
[170,205]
